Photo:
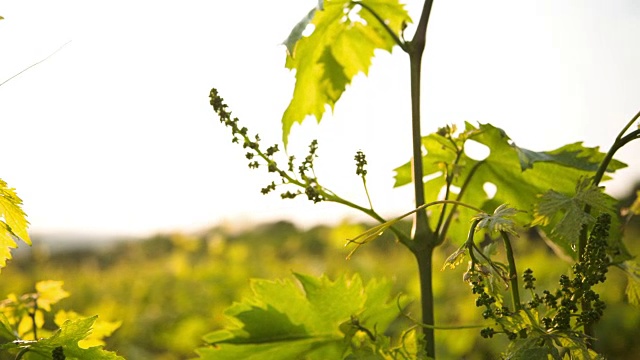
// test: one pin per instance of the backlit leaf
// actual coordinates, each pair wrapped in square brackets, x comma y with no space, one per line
[635,207]
[99,331]
[342,44]
[455,259]
[570,209]
[13,222]
[500,220]
[50,292]
[66,337]
[283,321]
[520,176]
[632,270]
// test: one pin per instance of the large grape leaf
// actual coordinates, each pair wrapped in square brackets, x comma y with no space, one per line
[520,176]
[13,222]
[283,321]
[345,35]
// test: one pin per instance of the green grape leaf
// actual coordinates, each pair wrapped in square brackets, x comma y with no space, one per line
[530,348]
[632,270]
[575,345]
[551,346]
[283,321]
[345,35]
[455,259]
[99,331]
[573,217]
[635,207]
[67,337]
[633,291]
[500,220]
[520,176]
[13,222]
[6,328]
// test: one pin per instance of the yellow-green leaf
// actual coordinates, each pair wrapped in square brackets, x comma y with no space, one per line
[500,220]
[455,259]
[635,207]
[101,329]
[632,270]
[49,293]
[13,222]
[345,35]
[572,209]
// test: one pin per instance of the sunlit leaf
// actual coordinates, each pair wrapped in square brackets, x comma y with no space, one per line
[500,220]
[50,292]
[101,329]
[71,332]
[342,44]
[65,339]
[571,207]
[281,321]
[520,176]
[6,328]
[13,222]
[633,291]
[455,259]
[557,345]
[632,270]
[635,207]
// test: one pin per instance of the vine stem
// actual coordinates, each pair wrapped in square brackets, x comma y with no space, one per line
[513,273]
[424,240]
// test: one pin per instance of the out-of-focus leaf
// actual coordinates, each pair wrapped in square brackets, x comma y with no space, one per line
[50,292]
[13,222]
[635,207]
[632,270]
[455,259]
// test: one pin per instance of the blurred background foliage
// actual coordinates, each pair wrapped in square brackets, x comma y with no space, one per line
[171,289]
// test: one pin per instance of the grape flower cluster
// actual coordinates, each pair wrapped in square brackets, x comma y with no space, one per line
[305,177]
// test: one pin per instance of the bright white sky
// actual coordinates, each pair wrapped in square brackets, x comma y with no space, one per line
[114,133]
